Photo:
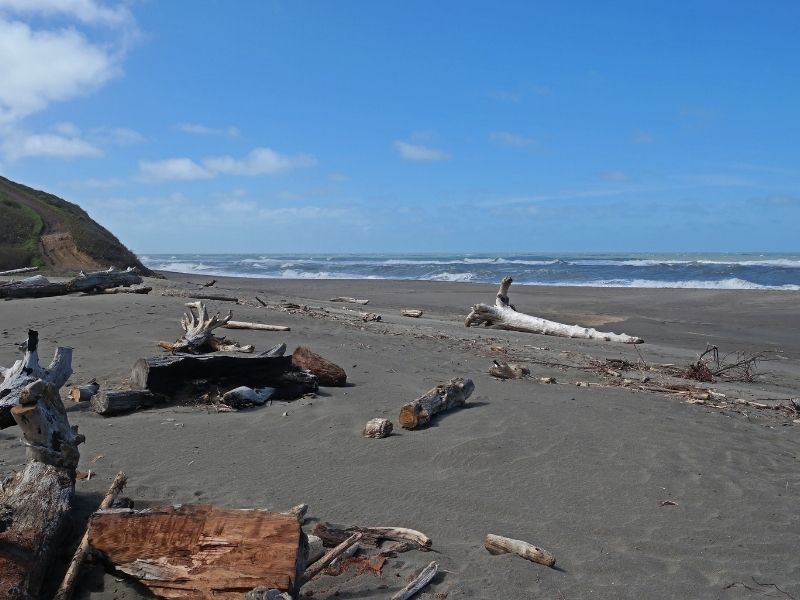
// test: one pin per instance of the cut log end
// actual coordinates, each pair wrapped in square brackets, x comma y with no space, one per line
[378,428]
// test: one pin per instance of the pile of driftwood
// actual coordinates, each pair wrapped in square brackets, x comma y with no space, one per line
[39,286]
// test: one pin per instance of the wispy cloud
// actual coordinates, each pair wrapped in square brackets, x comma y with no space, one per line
[17,145]
[181,169]
[505,96]
[88,12]
[419,152]
[640,136]
[510,139]
[616,176]
[198,129]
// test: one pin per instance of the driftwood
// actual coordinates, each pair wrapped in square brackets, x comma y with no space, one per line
[507,371]
[372,536]
[68,583]
[441,398]
[198,336]
[350,300]
[134,289]
[35,504]
[169,374]
[371,317]
[423,579]
[199,295]
[118,402]
[329,557]
[328,373]
[503,315]
[378,428]
[16,271]
[497,544]
[243,396]
[202,551]
[82,393]
[255,326]
[210,283]
[26,371]
[411,312]
[41,287]
[278,350]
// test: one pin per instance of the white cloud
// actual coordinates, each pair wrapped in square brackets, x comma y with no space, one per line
[18,145]
[614,176]
[420,152]
[198,129]
[510,139]
[85,11]
[119,136]
[38,68]
[183,169]
[94,183]
[260,161]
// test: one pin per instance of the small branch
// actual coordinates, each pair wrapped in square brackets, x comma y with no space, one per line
[331,555]
[423,579]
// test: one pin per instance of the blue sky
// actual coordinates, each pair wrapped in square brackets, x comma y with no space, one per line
[410,126]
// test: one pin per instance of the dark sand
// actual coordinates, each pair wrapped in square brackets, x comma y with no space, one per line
[580,471]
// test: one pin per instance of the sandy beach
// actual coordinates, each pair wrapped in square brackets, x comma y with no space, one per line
[581,471]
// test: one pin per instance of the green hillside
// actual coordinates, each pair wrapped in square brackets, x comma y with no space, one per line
[40,229]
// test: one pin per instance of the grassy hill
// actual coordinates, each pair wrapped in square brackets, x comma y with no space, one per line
[40,229]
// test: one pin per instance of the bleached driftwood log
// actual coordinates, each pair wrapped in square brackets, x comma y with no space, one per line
[41,287]
[134,289]
[411,312]
[350,300]
[316,568]
[255,326]
[198,336]
[118,402]
[34,506]
[378,428]
[507,371]
[421,580]
[68,583]
[16,271]
[199,295]
[27,370]
[169,374]
[328,373]
[497,544]
[243,396]
[503,315]
[83,393]
[373,536]
[202,551]
[439,399]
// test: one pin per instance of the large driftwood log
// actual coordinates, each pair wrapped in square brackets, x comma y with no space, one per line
[16,271]
[27,370]
[255,326]
[202,551]
[169,374]
[331,536]
[441,398]
[198,295]
[350,300]
[198,336]
[40,287]
[35,504]
[497,544]
[118,402]
[503,315]
[328,373]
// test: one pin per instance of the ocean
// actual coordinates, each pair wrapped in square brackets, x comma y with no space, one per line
[718,271]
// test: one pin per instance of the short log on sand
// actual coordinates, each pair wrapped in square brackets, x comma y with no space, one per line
[35,504]
[411,312]
[497,544]
[202,551]
[40,287]
[83,393]
[378,428]
[507,371]
[420,581]
[441,398]
[328,373]
[503,315]
[118,402]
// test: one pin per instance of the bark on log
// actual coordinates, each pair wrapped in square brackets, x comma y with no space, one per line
[35,504]
[411,312]
[503,315]
[68,583]
[421,580]
[378,428]
[441,398]
[118,402]
[350,300]
[202,551]
[83,393]
[327,373]
[497,544]
[168,374]
[198,336]
[84,282]
[243,396]
[507,371]
[199,295]
[255,326]
[16,271]
[26,371]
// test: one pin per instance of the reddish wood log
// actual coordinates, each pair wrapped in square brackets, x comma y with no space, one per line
[328,373]
[202,551]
